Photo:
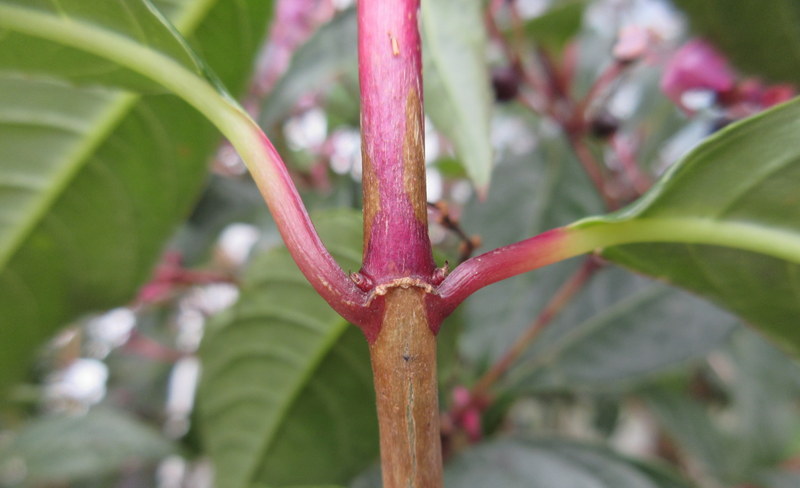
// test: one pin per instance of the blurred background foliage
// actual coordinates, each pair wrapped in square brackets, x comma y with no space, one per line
[226,366]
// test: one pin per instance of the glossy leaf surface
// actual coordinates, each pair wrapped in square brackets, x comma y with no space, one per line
[738,190]
[93,180]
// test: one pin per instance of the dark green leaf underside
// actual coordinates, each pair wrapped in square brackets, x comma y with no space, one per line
[550,463]
[748,174]
[63,448]
[286,380]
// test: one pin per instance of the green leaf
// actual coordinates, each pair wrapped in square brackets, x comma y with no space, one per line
[551,463]
[138,20]
[754,429]
[65,448]
[458,97]
[657,326]
[287,391]
[93,180]
[692,428]
[530,193]
[739,190]
[762,38]
[778,479]
[621,328]
[330,53]
[556,27]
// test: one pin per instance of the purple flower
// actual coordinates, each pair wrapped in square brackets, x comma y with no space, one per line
[696,66]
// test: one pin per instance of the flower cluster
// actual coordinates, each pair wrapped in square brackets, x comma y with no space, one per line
[698,67]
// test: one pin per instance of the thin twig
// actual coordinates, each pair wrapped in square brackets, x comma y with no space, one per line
[593,168]
[477,399]
[600,86]
[539,96]
[639,180]
[443,217]
[557,303]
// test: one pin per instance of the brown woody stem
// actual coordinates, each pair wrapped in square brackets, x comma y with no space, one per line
[404,366]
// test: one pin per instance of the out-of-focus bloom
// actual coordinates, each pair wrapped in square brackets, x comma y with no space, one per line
[295,21]
[170,275]
[633,42]
[166,275]
[696,66]
[467,411]
[776,94]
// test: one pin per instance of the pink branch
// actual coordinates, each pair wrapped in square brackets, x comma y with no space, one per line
[396,243]
[507,261]
[305,246]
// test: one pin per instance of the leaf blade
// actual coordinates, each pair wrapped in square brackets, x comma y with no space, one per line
[61,448]
[327,55]
[111,192]
[535,463]
[458,97]
[614,307]
[738,190]
[319,405]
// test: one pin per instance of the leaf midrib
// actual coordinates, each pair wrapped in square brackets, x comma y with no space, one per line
[327,346]
[599,233]
[186,22]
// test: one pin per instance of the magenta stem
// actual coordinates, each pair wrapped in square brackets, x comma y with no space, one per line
[507,261]
[302,240]
[396,243]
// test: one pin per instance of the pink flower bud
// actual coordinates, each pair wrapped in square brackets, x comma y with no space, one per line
[633,43]
[696,66]
[777,94]
[461,397]
[471,422]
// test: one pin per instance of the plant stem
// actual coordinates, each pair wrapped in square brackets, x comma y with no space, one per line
[396,242]
[257,152]
[595,233]
[593,168]
[443,217]
[404,366]
[398,261]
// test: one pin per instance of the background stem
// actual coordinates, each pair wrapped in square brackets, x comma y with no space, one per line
[561,298]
